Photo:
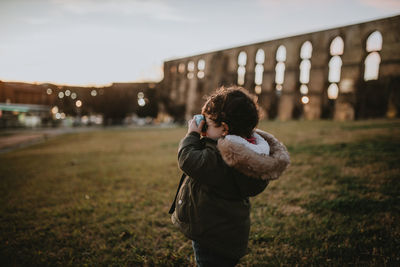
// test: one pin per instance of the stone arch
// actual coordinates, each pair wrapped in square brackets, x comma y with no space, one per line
[281,53]
[374,42]
[306,50]
[280,58]
[259,70]
[190,69]
[373,45]
[335,68]
[373,93]
[332,90]
[371,66]
[241,70]
[336,47]
[181,67]
[182,82]
[305,69]
[201,65]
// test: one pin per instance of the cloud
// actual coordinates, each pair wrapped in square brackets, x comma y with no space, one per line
[382,4]
[284,3]
[36,20]
[155,9]
[285,9]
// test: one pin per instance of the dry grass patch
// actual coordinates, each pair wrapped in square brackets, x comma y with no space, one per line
[102,198]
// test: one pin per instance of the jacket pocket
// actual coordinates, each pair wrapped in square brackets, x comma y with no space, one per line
[182,204]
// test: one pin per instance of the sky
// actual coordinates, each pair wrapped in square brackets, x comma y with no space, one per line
[98,42]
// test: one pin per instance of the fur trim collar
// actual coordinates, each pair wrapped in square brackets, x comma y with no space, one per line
[260,147]
[238,155]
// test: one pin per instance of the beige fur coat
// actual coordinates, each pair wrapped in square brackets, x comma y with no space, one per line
[250,163]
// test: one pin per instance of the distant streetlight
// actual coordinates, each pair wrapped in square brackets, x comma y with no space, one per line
[141,102]
[305,99]
[258,89]
[54,110]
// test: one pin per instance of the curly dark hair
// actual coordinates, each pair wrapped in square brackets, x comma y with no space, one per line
[236,107]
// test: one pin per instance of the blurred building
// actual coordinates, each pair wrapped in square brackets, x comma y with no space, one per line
[344,73]
[32,105]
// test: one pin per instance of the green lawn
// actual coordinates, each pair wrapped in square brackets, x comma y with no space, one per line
[102,198]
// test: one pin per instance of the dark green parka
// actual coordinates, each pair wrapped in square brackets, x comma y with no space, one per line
[212,205]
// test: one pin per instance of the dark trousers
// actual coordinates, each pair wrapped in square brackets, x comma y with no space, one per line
[209,258]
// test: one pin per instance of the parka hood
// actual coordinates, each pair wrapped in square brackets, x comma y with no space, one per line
[251,161]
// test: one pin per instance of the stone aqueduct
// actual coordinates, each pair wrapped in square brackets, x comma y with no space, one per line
[343,73]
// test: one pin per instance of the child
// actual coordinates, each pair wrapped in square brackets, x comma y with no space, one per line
[231,163]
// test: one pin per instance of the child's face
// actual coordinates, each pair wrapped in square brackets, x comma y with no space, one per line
[213,131]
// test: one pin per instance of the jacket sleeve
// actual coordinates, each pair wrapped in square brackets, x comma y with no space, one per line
[198,161]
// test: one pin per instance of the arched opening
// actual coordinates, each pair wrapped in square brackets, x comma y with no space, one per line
[304,78]
[337,46]
[374,96]
[306,50]
[241,73]
[372,62]
[303,89]
[374,42]
[280,69]
[201,64]
[336,49]
[258,78]
[190,68]
[281,54]
[181,68]
[259,71]
[333,91]
[305,67]
[279,75]
[242,59]
[274,97]
[335,67]
[373,59]
[260,56]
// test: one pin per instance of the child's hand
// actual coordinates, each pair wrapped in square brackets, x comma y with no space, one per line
[192,126]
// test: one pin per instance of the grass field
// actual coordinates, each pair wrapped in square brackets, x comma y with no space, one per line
[102,198]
